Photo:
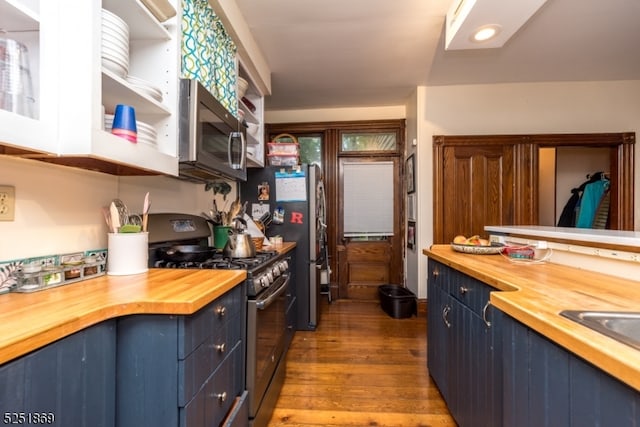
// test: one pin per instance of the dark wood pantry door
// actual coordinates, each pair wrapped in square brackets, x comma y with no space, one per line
[477,185]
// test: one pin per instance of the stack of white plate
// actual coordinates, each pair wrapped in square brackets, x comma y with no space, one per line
[115,44]
[146,133]
[145,87]
[108,122]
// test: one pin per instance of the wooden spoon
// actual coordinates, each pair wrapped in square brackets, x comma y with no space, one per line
[145,212]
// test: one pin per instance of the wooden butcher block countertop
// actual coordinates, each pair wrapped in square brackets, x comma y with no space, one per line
[29,321]
[535,294]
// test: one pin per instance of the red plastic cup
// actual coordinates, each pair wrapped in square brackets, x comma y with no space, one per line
[124,123]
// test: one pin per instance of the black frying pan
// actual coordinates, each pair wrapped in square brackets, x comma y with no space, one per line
[188,253]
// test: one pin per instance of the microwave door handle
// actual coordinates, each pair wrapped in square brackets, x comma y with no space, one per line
[243,149]
[229,146]
[243,156]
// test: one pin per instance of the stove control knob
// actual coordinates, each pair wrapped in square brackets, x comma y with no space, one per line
[269,275]
[275,270]
[284,265]
[264,281]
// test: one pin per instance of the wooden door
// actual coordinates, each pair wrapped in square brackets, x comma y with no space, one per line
[387,141]
[484,180]
[478,185]
[368,261]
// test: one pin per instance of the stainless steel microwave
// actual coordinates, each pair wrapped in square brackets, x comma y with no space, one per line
[211,141]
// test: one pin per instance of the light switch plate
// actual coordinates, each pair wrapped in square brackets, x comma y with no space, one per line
[7,203]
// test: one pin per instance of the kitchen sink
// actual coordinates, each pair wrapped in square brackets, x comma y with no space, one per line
[623,326]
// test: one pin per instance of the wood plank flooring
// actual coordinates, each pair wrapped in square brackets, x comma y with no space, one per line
[361,367]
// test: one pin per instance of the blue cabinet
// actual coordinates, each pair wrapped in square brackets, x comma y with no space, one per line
[70,382]
[183,371]
[546,385]
[463,342]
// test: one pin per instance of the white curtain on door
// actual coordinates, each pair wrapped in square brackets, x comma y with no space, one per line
[368,199]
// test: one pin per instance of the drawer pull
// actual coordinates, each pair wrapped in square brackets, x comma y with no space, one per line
[220,347]
[222,397]
[445,315]
[484,314]
[463,290]
[221,311]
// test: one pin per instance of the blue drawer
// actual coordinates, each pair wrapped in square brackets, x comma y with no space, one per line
[195,329]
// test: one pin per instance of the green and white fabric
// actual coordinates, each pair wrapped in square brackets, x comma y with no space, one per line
[208,52]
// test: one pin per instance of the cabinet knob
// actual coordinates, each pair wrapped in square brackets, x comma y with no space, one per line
[220,347]
[463,290]
[435,273]
[222,397]
[221,311]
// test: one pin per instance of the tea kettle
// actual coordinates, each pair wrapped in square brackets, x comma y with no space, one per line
[239,244]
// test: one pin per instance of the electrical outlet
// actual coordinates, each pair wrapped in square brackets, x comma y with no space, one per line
[7,203]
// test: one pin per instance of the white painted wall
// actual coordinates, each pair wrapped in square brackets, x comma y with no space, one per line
[58,209]
[557,107]
[335,114]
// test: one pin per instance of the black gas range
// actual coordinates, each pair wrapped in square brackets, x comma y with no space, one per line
[269,294]
[167,230]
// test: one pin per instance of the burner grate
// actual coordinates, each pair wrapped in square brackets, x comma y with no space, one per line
[219,262]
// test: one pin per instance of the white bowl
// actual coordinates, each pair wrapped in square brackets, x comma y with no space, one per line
[146,129]
[243,85]
[115,56]
[253,129]
[114,66]
[145,87]
[148,141]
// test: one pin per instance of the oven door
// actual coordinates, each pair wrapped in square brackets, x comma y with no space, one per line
[265,340]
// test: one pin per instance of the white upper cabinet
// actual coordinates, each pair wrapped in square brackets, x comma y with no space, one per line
[79,59]
[28,50]
[253,107]
[80,71]
[126,57]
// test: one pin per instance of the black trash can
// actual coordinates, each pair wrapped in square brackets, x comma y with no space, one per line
[397,302]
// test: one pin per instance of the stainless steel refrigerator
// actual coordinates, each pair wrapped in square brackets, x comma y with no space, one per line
[294,196]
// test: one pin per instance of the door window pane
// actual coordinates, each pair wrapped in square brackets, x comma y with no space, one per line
[378,141]
[368,199]
[310,150]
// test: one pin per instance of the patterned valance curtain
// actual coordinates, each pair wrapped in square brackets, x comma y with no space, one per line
[208,52]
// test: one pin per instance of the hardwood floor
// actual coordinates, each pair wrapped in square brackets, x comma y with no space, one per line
[361,367]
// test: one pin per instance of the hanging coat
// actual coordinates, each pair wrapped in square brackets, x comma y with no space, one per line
[568,216]
[590,201]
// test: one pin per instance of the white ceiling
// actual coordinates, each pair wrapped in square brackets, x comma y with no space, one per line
[358,53]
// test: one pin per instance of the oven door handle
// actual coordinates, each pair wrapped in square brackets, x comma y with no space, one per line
[264,303]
